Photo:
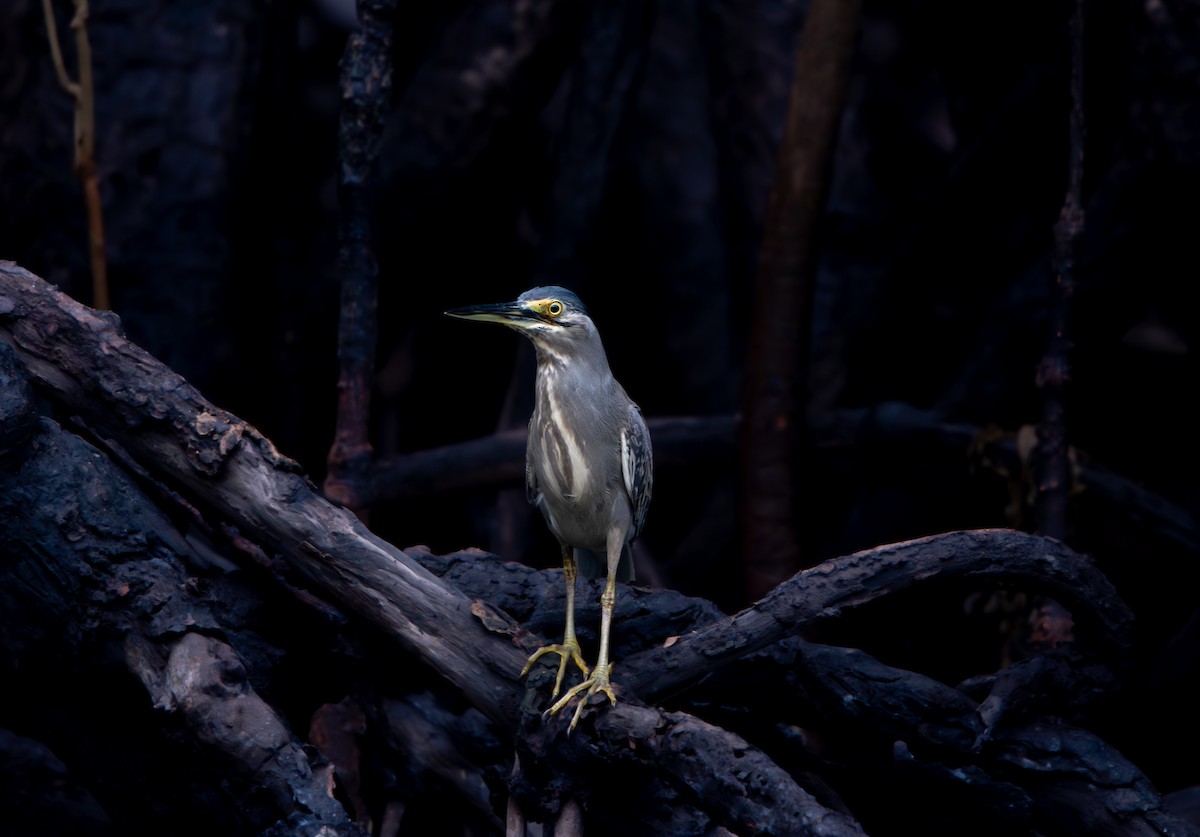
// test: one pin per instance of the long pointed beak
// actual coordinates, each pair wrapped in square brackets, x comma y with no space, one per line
[506,313]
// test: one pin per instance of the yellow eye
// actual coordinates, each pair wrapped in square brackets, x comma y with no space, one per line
[554,308]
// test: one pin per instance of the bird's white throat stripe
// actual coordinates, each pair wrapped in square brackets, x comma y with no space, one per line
[562,451]
[553,353]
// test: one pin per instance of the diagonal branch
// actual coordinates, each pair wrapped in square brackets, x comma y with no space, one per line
[84,362]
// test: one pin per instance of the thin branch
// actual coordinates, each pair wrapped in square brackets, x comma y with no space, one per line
[56,52]
[85,158]
[82,92]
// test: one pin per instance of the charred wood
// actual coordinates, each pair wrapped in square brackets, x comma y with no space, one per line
[469,617]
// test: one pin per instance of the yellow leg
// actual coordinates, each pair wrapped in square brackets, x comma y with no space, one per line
[599,681]
[569,649]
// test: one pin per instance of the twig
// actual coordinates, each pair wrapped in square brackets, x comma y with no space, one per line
[56,52]
[82,92]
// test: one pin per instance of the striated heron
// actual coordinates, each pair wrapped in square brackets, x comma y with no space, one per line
[587,464]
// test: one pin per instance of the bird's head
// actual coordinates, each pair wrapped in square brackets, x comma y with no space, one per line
[552,317]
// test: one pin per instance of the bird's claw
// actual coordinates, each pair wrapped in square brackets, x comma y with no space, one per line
[598,682]
[568,651]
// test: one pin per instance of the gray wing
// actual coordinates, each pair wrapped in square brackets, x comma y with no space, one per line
[637,466]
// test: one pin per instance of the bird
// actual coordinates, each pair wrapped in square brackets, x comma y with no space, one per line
[588,466]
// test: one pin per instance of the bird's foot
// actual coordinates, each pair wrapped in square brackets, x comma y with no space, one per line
[569,652]
[598,682]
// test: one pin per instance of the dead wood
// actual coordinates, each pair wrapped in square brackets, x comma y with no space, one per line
[690,775]
[81,360]
[1080,782]
[93,571]
[939,732]
[737,786]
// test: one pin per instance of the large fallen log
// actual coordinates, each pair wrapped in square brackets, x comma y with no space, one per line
[81,358]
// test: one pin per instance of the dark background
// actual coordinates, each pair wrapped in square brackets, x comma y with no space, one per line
[216,150]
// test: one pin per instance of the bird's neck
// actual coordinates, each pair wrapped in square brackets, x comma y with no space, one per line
[588,366]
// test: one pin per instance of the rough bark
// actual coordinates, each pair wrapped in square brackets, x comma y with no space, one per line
[93,570]
[82,358]
[467,616]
